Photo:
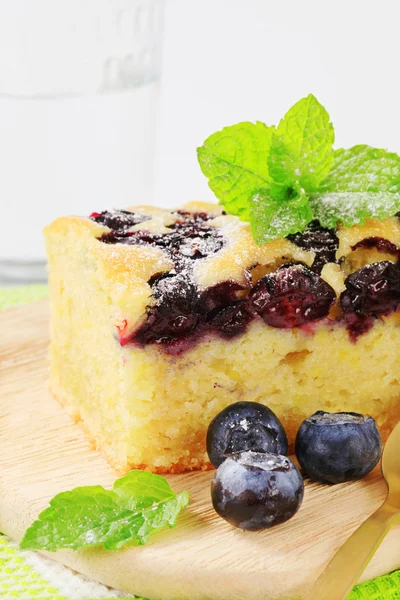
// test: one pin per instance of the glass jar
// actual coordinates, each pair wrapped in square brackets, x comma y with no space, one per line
[78,106]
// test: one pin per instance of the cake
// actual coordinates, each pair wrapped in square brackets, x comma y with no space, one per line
[161,318]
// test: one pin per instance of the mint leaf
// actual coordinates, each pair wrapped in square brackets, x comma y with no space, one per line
[301,149]
[364,182]
[363,168]
[138,504]
[235,162]
[277,212]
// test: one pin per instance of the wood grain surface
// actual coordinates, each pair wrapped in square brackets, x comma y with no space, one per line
[42,453]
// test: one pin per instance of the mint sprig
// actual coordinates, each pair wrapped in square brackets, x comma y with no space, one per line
[281,178]
[138,504]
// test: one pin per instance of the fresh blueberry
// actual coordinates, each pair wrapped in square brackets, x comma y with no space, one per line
[245,426]
[337,447]
[255,490]
[292,296]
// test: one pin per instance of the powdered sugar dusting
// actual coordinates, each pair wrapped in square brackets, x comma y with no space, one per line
[354,207]
[263,460]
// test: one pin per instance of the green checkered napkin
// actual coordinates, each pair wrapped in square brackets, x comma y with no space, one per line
[28,576]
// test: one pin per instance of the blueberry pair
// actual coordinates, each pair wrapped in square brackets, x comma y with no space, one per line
[255,485]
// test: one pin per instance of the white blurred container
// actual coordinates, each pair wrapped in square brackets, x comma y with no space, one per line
[78,107]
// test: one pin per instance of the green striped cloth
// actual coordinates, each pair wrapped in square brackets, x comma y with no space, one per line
[28,576]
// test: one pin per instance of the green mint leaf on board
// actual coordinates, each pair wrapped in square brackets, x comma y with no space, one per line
[235,162]
[301,149]
[274,216]
[364,182]
[138,504]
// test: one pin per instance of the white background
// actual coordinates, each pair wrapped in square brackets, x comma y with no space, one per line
[227,61]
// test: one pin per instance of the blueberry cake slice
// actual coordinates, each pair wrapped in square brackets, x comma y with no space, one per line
[161,318]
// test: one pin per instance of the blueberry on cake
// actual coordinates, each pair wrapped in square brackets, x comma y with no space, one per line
[162,318]
[287,295]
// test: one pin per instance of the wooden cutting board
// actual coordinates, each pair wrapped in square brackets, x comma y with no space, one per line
[42,453]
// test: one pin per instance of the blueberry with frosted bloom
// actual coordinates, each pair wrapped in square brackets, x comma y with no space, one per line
[257,490]
[245,426]
[337,447]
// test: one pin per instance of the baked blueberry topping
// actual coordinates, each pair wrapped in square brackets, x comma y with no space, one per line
[371,292]
[186,218]
[175,313]
[245,426]
[291,297]
[181,310]
[116,237]
[337,447]
[220,296]
[231,320]
[198,244]
[118,219]
[315,238]
[190,239]
[254,490]
[223,312]
[381,244]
